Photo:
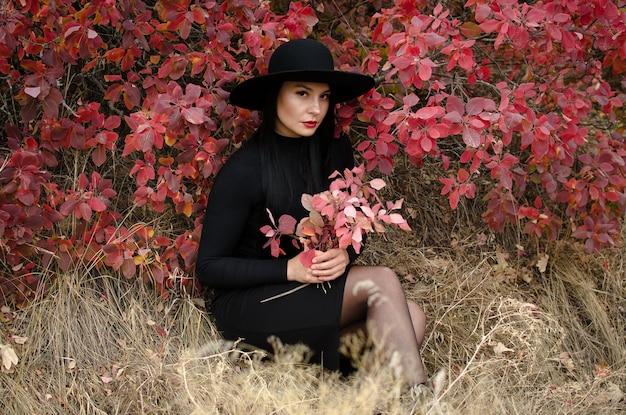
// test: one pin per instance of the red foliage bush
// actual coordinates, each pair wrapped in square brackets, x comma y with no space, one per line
[116,113]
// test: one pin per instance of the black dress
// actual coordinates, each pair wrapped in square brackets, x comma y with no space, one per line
[232,260]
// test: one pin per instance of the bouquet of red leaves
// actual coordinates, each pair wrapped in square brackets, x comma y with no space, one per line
[338,217]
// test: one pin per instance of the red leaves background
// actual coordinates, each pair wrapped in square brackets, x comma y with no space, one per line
[118,111]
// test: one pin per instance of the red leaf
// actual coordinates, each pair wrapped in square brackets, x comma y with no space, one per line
[462,175]
[84,211]
[268,231]
[51,103]
[483,11]
[27,198]
[194,115]
[33,91]
[475,106]
[471,137]
[425,71]
[132,96]
[477,124]
[99,156]
[97,204]
[286,224]
[402,62]
[427,113]
[161,331]
[470,29]
[68,207]
[128,268]
[377,183]
[114,92]
[427,144]
[466,156]
[561,18]
[306,257]
[385,165]
[433,39]
[146,139]
[447,185]
[410,100]
[454,198]
[173,67]
[490,26]
[611,196]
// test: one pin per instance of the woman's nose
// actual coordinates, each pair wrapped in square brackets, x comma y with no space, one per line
[315,106]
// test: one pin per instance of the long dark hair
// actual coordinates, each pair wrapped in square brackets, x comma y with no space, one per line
[278,181]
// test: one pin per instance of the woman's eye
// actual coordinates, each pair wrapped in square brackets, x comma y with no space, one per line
[301,93]
[326,96]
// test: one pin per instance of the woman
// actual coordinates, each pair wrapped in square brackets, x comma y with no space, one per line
[293,152]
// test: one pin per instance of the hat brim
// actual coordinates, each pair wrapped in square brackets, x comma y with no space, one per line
[345,86]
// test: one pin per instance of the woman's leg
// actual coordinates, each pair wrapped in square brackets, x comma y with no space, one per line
[418,317]
[395,325]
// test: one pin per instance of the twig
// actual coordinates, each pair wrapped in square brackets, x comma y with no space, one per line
[293,290]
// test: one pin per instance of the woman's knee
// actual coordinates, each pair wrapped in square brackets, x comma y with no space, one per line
[418,318]
[379,279]
[384,276]
[389,282]
[417,313]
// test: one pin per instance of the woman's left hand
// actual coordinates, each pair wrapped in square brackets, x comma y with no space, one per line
[330,264]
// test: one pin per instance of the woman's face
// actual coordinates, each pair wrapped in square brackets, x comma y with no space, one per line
[301,107]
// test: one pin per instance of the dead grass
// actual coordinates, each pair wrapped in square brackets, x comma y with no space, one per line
[503,337]
[513,340]
[104,345]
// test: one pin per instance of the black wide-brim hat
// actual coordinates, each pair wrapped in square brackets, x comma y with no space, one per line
[304,60]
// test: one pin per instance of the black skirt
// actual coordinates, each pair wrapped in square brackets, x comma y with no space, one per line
[308,316]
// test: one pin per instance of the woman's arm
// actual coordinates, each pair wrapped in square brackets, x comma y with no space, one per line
[235,193]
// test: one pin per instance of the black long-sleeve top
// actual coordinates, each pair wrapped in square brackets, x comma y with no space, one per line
[231,253]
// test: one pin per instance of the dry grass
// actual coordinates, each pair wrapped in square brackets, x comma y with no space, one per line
[105,345]
[554,343]
[503,338]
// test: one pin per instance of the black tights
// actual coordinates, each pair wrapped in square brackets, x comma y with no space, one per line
[374,300]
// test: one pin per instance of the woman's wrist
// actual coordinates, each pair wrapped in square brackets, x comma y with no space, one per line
[290,269]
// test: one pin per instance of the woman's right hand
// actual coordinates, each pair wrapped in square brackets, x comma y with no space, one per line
[296,271]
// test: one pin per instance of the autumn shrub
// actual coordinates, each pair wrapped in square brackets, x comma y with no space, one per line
[116,117]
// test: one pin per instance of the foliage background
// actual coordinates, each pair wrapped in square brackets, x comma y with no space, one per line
[116,115]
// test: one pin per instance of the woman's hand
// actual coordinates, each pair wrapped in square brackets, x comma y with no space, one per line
[296,271]
[329,265]
[326,266]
